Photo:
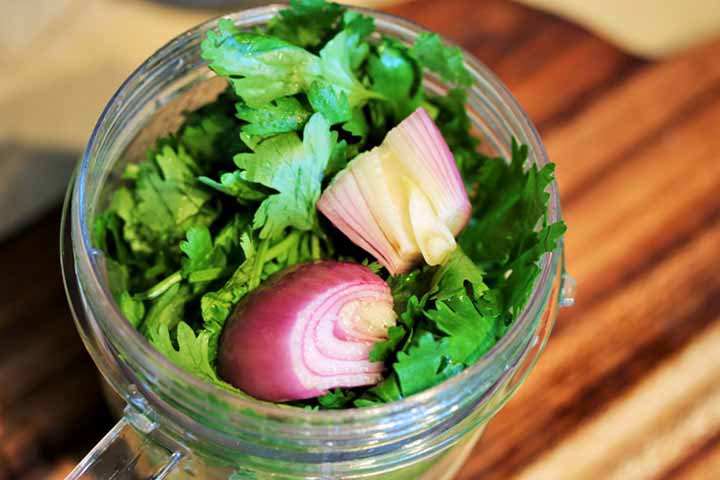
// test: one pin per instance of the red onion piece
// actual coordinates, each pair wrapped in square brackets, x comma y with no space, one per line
[307,330]
[401,201]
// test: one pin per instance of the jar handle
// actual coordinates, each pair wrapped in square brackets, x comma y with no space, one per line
[128,452]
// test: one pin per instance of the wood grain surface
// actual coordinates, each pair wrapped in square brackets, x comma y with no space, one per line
[629,385]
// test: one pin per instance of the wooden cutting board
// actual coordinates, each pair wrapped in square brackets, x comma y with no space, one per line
[629,386]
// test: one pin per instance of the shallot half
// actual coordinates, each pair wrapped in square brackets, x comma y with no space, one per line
[402,201]
[307,330]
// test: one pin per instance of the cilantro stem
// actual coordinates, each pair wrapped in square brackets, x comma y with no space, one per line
[315,247]
[260,259]
[161,287]
[281,246]
[266,253]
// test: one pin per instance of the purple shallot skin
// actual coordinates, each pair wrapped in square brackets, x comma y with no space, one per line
[306,330]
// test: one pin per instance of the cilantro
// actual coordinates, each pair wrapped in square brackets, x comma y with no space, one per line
[384,392]
[204,261]
[332,104]
[425,364]
[469,333]
[413,311]
[107,235]
[167,310]
[357,125]
[512,202]
[236,185]
[285,114]
[456,276]
[210,133]
[230,199]
[260,68]
[217,305]
[358,27]
[261,259]
[338,398]
[134,310]
[338,158]
[193,353]
[307,23]
[167,200]
[395,74]
[295,169]
[409,285]
[444,60]
[118,277]
[336,64]
[382,350]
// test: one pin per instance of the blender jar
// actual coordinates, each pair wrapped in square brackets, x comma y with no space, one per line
[176,426]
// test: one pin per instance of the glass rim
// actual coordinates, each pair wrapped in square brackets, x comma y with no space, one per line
[144,349]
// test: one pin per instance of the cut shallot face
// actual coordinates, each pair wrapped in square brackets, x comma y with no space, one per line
[307,330]
[402,201]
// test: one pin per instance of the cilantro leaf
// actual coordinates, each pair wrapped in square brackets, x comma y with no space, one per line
[134,310]
[118,275]
[334,399]
[284,114]
[231,236]
[384,392]
[382,350]
[412,312]
[169,199]
[167,310]
[260,68]
[193,354]
[524,270]
[261,259]
[306,23]
[442,59]
[166,200]
[332,104]
[236,185]
[338,158]
[455,276]
[358,26]
[336,64]
[123,205]
[107,235]
[470,333]
[216,306]
[295,170]
[424,365]
[204,261]
[412,284]
[512,201]
[357,126]
[395,74]
[210,133]
[512,233]
[263,68]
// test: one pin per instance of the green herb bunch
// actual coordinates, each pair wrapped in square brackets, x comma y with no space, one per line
[230,199]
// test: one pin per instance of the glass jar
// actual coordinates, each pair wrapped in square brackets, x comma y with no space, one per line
[175,425]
